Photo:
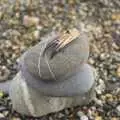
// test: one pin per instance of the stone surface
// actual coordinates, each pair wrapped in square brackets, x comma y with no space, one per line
[29,101]
[78,83]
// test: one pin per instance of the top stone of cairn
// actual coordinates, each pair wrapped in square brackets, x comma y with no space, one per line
[57,56]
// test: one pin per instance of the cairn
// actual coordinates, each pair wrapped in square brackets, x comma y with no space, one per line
[53,75]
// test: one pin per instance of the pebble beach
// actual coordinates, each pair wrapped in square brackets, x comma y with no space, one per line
[24,22]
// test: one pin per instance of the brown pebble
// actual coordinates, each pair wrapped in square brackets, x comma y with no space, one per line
[29,21]
[98,118]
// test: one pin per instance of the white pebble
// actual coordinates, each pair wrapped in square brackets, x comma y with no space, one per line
[91,61]
[1,116]
[36,34]
[80,113]
[84,117]
[118,108]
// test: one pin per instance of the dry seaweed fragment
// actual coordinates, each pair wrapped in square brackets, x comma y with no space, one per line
[61,41]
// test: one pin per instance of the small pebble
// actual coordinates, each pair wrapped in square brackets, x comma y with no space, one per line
[118,71]
[109,97]
[6,113]
[1,116]
[66,111]
[30,21]
[91,61]
[80,113]
[39,27]
[98,102]
[98,118]
[93,108]
[114,79]
[50,118]
[118,109]
[4,73]
[90,114]
[100,87]
[103,56]
[16,118]
[115,46]
[114,118]
[60,115]
[1,14]
[36,34]
[2,108]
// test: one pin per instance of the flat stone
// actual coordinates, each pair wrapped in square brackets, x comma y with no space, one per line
[76,84]
[29,101]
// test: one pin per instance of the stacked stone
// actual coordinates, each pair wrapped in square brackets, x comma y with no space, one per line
[53,76]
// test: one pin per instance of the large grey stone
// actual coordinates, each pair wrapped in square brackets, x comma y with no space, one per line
[29,101]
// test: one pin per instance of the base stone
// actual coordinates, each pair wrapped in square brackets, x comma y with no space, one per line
[28,101]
